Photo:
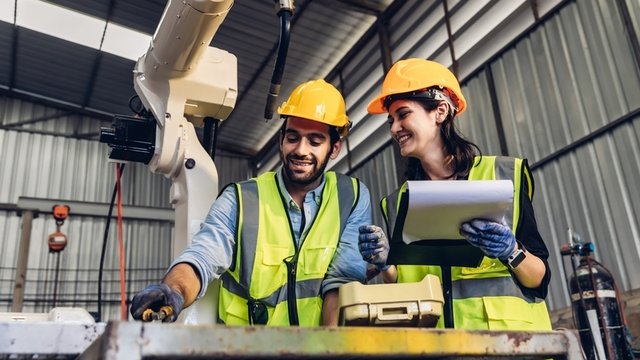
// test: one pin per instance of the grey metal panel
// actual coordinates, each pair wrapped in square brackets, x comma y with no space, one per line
[6,41]
[326,29]
[479,29]
[114,73]
[9,240]
[147,250]
[593,190]
[95,8]
[38,54]
[141,15]
[566,80]
[478,123]
[414,26]
[418,30]
[634,12]
[355,77]
[232,169]
[378,174]
[53,121]
[61,168]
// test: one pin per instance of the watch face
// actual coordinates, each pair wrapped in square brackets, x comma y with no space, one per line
[516,259]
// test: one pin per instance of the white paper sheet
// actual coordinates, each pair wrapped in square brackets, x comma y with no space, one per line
[436,209]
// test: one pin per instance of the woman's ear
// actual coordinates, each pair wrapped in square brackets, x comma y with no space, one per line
[442,111]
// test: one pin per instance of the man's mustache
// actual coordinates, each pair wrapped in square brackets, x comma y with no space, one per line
[310,159]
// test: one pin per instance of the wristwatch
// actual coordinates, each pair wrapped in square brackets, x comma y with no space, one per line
[516,258]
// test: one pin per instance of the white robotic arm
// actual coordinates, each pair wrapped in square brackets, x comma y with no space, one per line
[182,80]
[181,76]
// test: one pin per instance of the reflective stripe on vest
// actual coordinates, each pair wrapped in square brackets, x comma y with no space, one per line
[496,286]
[260,273]
[304,289]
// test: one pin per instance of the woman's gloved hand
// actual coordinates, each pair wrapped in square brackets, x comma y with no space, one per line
[154,298]
[374,246]
[494,239]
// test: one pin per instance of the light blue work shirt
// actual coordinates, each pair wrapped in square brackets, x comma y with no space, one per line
[211,250]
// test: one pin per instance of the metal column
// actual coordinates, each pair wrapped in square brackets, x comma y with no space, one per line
[23,258]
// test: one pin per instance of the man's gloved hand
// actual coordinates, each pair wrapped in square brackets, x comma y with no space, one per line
[154,297]
[494,239]
[374,246]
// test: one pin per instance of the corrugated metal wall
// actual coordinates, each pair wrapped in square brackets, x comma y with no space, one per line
[36,164]
[147,250]
[567,80]
[375,174]
[571,78]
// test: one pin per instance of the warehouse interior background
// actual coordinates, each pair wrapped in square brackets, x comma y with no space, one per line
[554,81]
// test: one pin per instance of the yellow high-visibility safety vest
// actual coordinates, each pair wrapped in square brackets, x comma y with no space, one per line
[485,297]
[268,267]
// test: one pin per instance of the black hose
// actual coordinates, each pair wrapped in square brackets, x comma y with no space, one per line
[104,244]
[278,67]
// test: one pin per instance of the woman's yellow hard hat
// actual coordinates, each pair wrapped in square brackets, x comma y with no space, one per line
[411,75]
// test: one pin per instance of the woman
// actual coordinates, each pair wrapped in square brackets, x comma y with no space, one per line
[506,291]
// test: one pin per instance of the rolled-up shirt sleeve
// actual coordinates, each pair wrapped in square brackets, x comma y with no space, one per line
[347,264]
[211,250]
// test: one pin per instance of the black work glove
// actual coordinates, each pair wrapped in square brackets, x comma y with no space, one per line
[494,239]
[155,297]
[374,246]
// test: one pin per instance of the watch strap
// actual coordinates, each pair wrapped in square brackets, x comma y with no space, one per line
[516,258]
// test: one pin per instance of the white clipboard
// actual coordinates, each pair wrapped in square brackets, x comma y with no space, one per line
[437,208]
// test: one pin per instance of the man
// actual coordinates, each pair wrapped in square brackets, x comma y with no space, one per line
[283,242]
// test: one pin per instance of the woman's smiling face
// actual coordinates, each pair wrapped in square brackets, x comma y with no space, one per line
[413,127]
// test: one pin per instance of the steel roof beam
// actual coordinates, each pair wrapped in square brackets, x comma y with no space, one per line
[14,47]
[365,6]
[38,119]
[98,59]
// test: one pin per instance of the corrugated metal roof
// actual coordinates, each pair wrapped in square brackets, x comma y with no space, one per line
[52,67]
[58,70]
[319,39]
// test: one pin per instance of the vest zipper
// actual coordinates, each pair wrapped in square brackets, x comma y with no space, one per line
[292,270]
[292,301]
[292,265]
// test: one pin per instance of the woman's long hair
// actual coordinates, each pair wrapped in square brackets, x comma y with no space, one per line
[460,151]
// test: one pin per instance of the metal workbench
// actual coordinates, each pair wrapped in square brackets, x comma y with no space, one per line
[136,340]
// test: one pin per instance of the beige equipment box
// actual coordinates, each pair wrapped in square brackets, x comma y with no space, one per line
[405,305]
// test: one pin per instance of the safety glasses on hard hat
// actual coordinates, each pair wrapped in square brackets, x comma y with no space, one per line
[431,94]
[258,314]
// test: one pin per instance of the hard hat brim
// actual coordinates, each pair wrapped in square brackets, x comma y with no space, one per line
[376,107]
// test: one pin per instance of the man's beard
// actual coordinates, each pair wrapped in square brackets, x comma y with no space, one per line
[305,178]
